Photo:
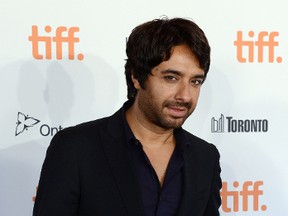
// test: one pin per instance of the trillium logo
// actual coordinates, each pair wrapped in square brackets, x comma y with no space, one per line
[24,122]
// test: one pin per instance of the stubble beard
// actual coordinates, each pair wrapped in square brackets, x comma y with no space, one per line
[155,113]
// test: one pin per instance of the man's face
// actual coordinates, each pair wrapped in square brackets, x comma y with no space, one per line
[171,92]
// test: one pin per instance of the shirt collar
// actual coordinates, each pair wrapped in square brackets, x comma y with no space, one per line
[130,138]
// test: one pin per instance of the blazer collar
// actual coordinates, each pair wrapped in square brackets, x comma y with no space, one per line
[190,171]
[119,157]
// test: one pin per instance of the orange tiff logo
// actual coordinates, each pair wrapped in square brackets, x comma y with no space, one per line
[48,42]
[254,48]
[246,194]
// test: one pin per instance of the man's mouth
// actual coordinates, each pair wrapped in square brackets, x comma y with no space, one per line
[177,111]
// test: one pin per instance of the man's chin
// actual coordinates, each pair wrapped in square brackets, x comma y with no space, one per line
[174,123]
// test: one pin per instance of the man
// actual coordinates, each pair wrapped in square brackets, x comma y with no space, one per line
[139,161]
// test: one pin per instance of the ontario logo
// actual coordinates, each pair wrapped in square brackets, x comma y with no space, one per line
[25,122]
[231,125]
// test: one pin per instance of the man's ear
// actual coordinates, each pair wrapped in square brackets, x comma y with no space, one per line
[135,82]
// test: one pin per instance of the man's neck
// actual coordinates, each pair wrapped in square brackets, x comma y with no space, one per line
[147,132]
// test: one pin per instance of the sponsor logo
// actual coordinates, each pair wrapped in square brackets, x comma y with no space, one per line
[232,125]
[217,126]
[242,197]
[47,46]
[24,122]
[257,48]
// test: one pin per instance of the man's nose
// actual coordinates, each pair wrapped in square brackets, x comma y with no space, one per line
[184,92]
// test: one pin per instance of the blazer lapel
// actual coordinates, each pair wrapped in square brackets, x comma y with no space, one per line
[187,206]
[119,157]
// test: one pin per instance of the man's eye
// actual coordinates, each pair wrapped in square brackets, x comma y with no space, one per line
[170,78]
[197,82]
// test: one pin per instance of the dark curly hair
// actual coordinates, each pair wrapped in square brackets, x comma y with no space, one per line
[152,42]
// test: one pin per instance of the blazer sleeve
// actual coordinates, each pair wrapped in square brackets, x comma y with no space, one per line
[58,190]
[214,201]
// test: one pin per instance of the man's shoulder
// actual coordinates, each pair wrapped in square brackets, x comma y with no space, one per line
[198,143]
[91,125]
[193,139]
[86,127]
[88,130]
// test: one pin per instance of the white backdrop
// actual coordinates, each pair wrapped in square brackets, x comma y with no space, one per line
[242,109]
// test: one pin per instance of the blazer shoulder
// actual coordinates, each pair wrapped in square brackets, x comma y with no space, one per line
[200,144]
[83,129]
[87,132]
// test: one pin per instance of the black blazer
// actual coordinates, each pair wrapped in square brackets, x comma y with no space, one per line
[88,172]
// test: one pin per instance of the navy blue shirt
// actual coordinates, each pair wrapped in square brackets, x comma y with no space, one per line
[157,200]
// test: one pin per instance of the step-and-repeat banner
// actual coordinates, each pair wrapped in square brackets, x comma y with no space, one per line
[62,63]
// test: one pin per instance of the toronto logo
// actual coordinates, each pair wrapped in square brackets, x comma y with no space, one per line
[217,125]
[232,125]
[24,122]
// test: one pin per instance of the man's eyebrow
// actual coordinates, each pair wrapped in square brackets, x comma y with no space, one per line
[171,71]
[179,73]
[200,76]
